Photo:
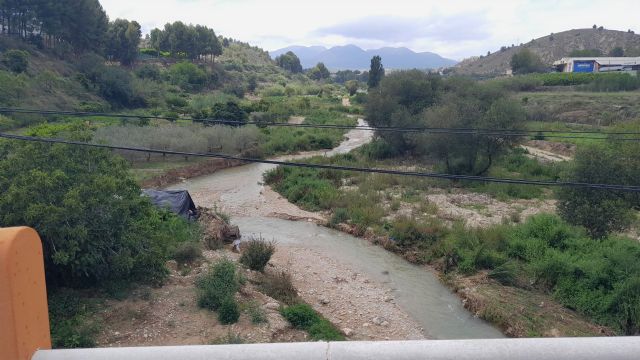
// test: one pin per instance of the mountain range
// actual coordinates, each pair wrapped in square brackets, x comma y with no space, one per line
[351,57]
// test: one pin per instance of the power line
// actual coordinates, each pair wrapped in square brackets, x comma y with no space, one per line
[433,130]
[627,188]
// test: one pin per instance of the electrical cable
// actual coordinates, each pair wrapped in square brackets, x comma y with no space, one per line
[627,188]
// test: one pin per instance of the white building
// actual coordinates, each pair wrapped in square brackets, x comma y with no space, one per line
[597,64]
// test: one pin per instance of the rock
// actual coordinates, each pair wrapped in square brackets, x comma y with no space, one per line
[272,306]
[377,320]
[172,265]
[388,299]
[384,323]
[366,325]
[347,332]
[324,301]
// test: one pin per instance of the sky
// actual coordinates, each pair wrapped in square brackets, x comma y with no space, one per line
[456,29]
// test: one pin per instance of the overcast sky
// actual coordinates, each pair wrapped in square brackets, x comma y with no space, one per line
[453,28]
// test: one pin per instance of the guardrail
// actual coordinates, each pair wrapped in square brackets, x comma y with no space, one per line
[612,348]
[24,330]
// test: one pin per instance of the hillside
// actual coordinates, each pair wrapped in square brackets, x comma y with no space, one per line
[351,57]
[551,48]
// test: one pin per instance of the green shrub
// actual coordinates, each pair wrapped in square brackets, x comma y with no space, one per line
[148,71]
[87,208]
[408,232]
[257,254]
[228,312]
[301,316]
[16,60]
[218,284]
[188,76]
[187,252]
[71,325]
[115,85]
[324,330]
[340,215]
[506,274]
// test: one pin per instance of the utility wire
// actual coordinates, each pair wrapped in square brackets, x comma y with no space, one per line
[433,130]
[626,188]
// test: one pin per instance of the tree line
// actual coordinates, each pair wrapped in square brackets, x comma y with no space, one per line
[80,23]
[186,41]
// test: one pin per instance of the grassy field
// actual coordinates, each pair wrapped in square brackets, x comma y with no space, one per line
[598,109]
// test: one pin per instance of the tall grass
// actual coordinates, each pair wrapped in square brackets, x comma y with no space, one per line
[187,138]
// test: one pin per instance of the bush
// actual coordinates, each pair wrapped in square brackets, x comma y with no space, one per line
[325,331]
[71,327]
[188,76]
[187,252]
[302,316]
[408,232]
[147,71]
[219,284]
[16,60]
[280,287]
[228,312]
[115,86]
[257,254]
[93,223]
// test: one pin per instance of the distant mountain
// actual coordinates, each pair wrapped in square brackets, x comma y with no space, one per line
[553,47]
[354,58]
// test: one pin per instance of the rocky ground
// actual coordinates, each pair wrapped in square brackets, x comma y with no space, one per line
[362,308]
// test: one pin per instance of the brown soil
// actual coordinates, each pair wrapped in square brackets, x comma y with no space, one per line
[561,150]
[170,316]
[202,168]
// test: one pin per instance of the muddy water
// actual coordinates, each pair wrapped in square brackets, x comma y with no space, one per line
[417,290]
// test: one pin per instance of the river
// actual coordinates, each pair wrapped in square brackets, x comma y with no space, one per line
[255,208]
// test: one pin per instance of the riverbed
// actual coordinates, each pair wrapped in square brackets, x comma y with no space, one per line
[377,289]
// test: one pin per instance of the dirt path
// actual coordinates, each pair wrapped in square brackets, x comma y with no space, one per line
[346,102]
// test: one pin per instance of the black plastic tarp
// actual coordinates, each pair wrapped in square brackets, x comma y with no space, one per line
[176,201]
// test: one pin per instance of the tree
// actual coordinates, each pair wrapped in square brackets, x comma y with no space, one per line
[289,62]
[87,208]
[469,105]
[186,41]
[525,62]
[122,40]
[617,52]
[376,73]
[396,102]
[599,211]
[352,87]
[319,72]
[188,76]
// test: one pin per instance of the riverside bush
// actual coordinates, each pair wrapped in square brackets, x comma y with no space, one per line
[257,254]
[302,316]
[94,225]
[228,312]
[598,278]
[218,285]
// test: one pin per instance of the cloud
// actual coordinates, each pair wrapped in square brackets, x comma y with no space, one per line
[461,27]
